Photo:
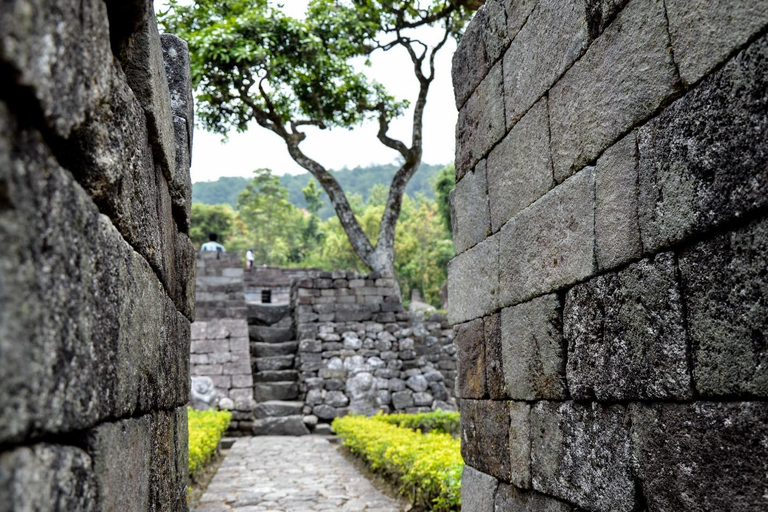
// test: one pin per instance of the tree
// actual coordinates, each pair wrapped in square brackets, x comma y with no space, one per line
[206,219]
[250,62]
[444,183]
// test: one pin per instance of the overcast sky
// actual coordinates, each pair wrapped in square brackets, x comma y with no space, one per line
[337,148]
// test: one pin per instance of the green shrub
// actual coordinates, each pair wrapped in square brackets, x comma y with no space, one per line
[426,467]
[435,421]
[205,431]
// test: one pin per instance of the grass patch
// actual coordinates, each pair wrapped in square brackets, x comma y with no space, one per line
[424,467]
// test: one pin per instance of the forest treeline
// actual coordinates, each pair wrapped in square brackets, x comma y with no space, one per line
[359,180]
[282,232]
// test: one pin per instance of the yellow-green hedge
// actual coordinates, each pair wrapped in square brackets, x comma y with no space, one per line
[205,431]
[426,467]
[435,421]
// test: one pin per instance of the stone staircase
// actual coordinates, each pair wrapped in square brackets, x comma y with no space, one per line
[278,409]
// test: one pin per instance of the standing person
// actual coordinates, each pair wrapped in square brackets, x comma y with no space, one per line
[212,244]
[249,258]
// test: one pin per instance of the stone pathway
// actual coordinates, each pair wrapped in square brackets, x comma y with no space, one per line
[290,474]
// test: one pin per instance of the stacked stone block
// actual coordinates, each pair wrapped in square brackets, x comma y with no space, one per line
[276,281]
[609,291]
[220,286]
[360,352]
[97,269]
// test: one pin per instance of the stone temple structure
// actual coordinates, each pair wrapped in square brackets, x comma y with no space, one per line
[610,289]
[96,268]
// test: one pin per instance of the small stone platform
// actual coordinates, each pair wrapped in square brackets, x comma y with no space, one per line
[290,474]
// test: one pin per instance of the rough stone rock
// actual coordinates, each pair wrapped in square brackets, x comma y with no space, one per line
[469,209]
[274,363]
[310,421]
[279,375]
[352,342]
[270,334]
[481,122]
[582,454]
[314,396]
[422,399]
[549,245]
[495,383]
[116,327]
[439,391]
[470,379]
[533,351]
[269,314]
[266,391]
[626,74]
[509,497]
[362,394]
[397,385]
[282,426]
[626,336]
[470,63]
[726,291]
[617,228]
[337,398]
[276,349]
[698,156]
[520,444]
[201,392]
[417,383]
[473,282]
[402,399]
[519,169]
[538,56]
[383,397]
[276,408]
[62,54]
[485,436]
[326,412]
[226,404]
[703,456]
[47,477]
[478,490]
[704,32]
[354,363]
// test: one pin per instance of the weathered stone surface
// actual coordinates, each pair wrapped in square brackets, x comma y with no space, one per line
[473,282]
[495,383]
[485,436]
[99,312]
[402,399]
[621,80]
[362,392]
[582,454]
[726,291]
[47,477]
[509,497]
[617,228]
[267,391]
[276,408]
[469,209]
[705,32]
[470,63]
[481,122]
[280,426]
[517,14]
[626,335]
[520,444]
[274,362]
[538,55]
[548,245]
[703,456]
[700,165]
[141,55]
[519,168]
[478,490]
[533,351]
[274,349]
[62,54]
[270,334]
[267,314]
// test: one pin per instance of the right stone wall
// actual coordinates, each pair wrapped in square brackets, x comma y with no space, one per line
[610,290]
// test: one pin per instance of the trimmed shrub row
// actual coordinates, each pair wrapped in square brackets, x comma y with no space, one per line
[435,421]
[205,431]
[425,467]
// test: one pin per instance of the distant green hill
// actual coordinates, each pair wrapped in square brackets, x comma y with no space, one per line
[354,181]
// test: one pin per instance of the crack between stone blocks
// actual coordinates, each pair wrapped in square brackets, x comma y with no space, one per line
[689,344]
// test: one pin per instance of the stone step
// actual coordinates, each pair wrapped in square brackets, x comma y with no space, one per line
[270,334]
[268,314]
[273,363]
[275,408]
[276,376]
[274,349]
[281,426]
[267,391]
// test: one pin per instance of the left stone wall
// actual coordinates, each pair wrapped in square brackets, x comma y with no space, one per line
[97,269]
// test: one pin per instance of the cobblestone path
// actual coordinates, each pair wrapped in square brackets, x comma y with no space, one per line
[290,474]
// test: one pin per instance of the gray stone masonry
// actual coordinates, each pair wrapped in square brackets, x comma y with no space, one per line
[358,355]
[97,268]
[274,282]
[609,293]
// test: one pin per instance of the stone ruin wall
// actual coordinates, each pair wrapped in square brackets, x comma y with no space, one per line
[276,281]
[609,293]
[360,352]
[96,271]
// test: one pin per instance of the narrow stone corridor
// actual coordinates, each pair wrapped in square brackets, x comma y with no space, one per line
[290,474]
